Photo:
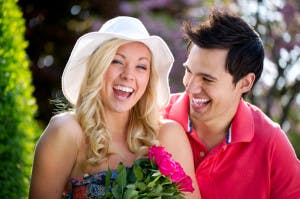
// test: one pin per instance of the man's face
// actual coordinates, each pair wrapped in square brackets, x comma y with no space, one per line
[213,95]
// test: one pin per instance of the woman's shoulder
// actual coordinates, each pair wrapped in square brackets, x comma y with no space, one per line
[65,121]
[56,153]
[171,132]
[64,126]
[168,125]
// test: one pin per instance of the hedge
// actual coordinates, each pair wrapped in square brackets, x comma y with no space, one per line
[18,127]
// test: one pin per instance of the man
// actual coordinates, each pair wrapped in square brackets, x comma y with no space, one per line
[238,151]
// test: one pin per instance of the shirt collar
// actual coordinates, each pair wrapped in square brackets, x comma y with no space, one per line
[242,125]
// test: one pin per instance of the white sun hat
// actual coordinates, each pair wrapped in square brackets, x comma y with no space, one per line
[122,27]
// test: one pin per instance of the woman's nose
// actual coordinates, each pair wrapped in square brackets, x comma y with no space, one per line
[127,74]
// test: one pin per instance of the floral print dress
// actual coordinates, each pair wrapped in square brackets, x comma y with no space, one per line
[89,187]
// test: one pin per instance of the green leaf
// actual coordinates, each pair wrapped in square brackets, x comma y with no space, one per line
[107,184]
[120,182]
[131,194]
[138,172]
[141,186]
[121,175]
[107,178]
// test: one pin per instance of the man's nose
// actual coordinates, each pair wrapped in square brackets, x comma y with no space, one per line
[193,85]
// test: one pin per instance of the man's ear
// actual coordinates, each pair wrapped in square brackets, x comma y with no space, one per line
[246,83]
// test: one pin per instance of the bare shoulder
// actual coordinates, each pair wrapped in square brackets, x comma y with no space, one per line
[55,156]
[171,124]
[65,124]
[62,128]
[61,138]
[172,133]
[171,127]
[64,121]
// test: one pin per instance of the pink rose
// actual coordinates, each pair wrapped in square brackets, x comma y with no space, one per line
[167,167]
[170,168]
[158,153]
[186,184]
[178,173]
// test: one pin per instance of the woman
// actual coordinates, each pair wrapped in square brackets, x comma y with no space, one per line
[117,79]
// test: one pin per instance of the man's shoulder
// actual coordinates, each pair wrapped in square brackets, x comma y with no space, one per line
[175,97]
[175,100]
[177,109]
[260,117]
[265,129]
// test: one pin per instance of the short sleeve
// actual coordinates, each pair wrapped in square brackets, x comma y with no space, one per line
[285,168]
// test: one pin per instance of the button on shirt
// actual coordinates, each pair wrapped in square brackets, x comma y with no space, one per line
[255,160]
[202,154]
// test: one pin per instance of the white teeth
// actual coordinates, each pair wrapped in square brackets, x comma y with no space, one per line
[198,101]
[123,88]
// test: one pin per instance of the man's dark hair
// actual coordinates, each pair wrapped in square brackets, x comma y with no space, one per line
[227,31]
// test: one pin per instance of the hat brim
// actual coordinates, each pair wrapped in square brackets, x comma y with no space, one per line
[76,66]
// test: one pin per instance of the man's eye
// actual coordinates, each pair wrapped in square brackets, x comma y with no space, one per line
[187,70]
[207,80]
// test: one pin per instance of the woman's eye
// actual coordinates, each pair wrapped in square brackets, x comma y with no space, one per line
[143,67]
[115,61]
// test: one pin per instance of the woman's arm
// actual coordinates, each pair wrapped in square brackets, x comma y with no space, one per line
[55,156]
[173,137]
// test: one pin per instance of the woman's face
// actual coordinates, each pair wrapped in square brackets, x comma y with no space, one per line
[127,77]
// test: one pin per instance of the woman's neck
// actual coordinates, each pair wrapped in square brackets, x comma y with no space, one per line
[117,123]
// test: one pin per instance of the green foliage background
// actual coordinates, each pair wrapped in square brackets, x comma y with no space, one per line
[17,105]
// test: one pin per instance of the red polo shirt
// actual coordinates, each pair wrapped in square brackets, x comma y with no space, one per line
[255,160]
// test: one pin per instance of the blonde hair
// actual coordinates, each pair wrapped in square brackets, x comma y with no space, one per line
[144,116]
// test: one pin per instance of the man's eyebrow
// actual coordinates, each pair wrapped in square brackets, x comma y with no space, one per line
[209,76]
[185,65]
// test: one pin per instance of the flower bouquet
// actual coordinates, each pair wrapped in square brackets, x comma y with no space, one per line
[157,176]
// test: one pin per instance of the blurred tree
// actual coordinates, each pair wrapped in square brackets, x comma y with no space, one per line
[17,124]
[278,92]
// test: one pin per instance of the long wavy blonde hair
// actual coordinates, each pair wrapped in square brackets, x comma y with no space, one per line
[144,116]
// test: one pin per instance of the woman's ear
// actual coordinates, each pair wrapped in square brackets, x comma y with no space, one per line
[246,83]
